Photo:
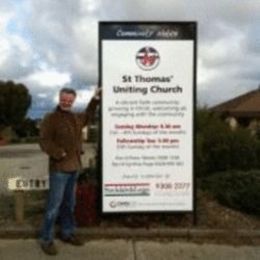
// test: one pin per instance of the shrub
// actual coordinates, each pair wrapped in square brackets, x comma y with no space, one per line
[236,189]
[243,150]
[220,149]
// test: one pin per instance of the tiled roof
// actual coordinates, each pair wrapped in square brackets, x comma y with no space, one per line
[246,105]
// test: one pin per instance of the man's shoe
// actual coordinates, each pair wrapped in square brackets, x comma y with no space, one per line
[73,240]
[49,248]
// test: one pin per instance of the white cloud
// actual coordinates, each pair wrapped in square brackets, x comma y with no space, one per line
[205,75]
[84,96]
[46,44]
[16,55]
[5,18]
[42,95]
[48,79]
[84,57]
[220,59]
[90,6]
[230,47]
[4,50]
[5,47]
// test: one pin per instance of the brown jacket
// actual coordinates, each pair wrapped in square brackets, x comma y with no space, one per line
[61,132]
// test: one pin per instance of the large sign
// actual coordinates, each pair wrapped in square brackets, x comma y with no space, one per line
[147,74]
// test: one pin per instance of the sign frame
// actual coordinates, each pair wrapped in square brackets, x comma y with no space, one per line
[177,24]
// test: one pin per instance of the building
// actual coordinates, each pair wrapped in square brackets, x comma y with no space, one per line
[243,110]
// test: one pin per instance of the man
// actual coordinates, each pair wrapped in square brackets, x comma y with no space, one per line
[60,138]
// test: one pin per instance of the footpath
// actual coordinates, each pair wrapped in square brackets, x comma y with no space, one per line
[136,244]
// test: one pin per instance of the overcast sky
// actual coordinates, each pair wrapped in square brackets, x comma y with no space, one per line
[47,44]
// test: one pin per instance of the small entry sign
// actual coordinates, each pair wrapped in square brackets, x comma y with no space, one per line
[28,183]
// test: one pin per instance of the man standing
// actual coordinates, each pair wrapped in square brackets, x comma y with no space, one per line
[61,139]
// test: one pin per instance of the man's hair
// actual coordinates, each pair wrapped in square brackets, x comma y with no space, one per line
[68,91]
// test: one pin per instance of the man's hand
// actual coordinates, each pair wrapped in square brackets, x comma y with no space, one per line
[97,93]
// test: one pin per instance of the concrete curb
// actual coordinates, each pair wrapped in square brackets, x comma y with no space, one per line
[138,233]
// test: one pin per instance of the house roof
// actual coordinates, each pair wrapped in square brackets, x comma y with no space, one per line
[246,105]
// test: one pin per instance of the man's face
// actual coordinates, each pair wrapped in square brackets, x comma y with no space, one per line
[66,101]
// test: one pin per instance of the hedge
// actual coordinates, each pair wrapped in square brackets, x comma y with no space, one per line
[236,189]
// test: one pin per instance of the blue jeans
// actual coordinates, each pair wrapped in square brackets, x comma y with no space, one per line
[61,203]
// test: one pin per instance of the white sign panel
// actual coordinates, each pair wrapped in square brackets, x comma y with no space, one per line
[19,183]
[147,78]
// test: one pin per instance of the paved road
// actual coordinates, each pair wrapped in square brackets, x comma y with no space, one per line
[27,160]
[127,250]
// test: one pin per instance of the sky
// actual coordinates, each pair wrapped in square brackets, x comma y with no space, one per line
[49,44]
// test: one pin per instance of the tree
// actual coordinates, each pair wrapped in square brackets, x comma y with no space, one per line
[27,128]
[15,101]
[219,148]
